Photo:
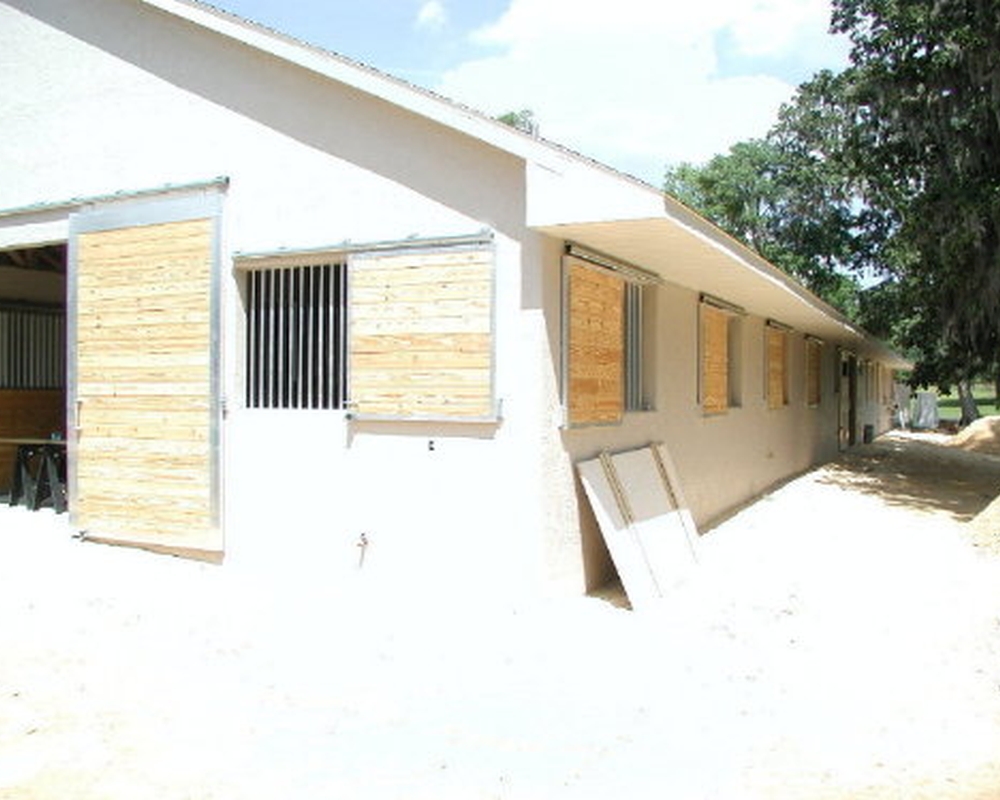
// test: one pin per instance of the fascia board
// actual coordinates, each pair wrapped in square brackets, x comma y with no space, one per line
[689,252]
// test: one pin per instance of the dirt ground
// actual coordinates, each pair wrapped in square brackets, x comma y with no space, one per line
[841,639]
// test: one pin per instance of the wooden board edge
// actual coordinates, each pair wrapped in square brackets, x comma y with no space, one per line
[190,553]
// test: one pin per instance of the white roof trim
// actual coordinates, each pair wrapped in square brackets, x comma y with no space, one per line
[732,248]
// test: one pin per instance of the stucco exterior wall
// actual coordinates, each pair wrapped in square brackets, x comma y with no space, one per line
[723,460]
[310,164]
[136,99]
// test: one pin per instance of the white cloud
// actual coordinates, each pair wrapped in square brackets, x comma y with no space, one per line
[432,15]
[636,83]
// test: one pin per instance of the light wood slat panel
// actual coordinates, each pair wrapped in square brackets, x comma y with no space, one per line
[814,352]
[777,392]
[421,334]
[28,414]
[151,450]
[141,376]
[144,460]
[419,269]
[97,292]
[714,360]
[596,350]
[180,357]
[108,483]
[102,403]
[172,320]
[154,348]
[458,325]
[136,430]
[151,335]
[138,391]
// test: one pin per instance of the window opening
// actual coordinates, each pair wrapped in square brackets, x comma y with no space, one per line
[634,389]
[296,337]
[605,308]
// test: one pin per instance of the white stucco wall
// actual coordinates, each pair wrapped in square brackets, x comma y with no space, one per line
[722,460]
[137,99]
[310,164]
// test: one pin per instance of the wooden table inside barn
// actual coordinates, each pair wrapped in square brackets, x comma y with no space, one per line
[48,477]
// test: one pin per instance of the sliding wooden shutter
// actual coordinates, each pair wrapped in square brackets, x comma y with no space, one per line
[714,360]
[813,372]
[596,348]
[144,455]
[421,334]
[777,384]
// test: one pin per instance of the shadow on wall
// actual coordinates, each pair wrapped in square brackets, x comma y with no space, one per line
[598,569]
[318,112]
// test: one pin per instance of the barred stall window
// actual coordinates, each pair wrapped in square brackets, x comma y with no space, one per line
[32,348]
[296,337]
[634,350]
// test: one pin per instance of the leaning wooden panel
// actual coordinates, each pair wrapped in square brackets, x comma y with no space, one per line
[596,346]
[644,520]
[143,451]
[421,334]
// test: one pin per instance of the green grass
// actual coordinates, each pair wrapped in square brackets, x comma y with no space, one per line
[949,410]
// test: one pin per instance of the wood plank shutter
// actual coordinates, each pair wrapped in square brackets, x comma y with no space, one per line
[144,457]
[813,385]
[714,360]
[421,334]
[777,392]
[596,345]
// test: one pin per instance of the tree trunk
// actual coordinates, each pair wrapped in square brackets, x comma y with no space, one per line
[970,411]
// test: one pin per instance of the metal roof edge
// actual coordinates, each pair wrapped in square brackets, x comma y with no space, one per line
[220,183]
[732,247]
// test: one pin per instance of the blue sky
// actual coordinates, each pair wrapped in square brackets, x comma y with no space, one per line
[636,84]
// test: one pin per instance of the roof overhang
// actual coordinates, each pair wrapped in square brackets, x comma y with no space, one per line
[688,251]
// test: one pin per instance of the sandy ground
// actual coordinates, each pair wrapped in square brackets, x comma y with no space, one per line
[841,640]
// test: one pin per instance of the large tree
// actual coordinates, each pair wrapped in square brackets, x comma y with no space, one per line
[922,103]
[782,197]
[894,162]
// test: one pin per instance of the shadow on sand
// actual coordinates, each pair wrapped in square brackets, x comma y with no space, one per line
[920,472]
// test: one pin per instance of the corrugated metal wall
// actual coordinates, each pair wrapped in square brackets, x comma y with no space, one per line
[32,348]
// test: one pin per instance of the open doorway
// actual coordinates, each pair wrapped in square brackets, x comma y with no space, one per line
[848,394]
[33,372]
